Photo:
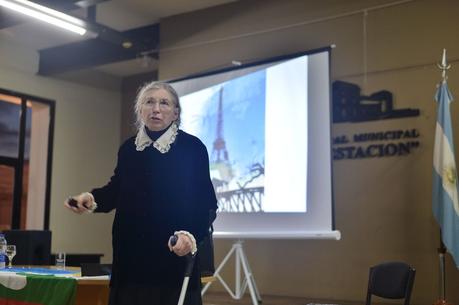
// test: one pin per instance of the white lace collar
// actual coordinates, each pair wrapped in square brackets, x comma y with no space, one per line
[163,144]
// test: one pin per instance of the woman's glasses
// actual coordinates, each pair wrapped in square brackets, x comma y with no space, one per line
[162,103]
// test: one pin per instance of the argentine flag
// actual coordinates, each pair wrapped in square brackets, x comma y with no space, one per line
[445,202]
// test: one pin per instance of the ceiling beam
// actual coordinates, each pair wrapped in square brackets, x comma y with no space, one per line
[88,3]
[99,51]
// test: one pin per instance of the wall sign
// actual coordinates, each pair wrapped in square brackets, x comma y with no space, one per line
[350,106]
[383,144]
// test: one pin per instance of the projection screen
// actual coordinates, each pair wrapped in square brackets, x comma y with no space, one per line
[266,126]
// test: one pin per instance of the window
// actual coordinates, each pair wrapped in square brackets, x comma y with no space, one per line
[26,137]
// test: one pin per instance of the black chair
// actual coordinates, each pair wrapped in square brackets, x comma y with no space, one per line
[391,280]
[33,247]
[205,255]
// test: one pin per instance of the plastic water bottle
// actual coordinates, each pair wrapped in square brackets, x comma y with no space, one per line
[2,251]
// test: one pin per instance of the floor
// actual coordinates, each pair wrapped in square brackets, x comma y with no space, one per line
[223,298]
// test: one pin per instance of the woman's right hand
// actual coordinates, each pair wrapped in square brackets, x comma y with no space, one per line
[81,203]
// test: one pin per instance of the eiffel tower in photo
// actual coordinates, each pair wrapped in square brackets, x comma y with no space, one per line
[219,161]
[242,199]
[219,152]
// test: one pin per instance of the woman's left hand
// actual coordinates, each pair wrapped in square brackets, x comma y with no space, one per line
[183,246]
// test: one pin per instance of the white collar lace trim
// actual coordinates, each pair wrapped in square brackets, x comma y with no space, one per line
[163,144]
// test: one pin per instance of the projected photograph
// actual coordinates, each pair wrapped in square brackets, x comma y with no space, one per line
[229,118]
[255,129]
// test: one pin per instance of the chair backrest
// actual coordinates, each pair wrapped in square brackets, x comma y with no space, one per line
[391,280]
[33,247]
[206,250]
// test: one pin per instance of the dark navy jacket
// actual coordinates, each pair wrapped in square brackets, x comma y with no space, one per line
[154,195]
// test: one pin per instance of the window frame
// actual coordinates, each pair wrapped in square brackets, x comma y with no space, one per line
[18,163]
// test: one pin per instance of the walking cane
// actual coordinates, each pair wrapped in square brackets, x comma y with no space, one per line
[188,271]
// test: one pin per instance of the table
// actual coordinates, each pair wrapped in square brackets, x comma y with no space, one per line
[93,290]
[46,279]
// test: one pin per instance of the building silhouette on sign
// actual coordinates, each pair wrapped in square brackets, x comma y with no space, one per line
[350,106]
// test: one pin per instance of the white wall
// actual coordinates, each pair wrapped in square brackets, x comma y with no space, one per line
[86,139]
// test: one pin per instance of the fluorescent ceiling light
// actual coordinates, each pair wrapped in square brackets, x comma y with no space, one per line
[45,14]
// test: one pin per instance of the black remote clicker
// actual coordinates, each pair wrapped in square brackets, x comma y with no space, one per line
[74,203]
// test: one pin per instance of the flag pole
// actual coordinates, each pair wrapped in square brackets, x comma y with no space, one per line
[444,66]
[441,256]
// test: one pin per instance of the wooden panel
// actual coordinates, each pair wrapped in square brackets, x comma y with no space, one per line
[6,196]
[92,294]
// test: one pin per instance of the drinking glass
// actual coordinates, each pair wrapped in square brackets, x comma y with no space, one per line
[60,260]
[10,252]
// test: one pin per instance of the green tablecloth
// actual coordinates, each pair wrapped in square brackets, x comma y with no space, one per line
[33,289]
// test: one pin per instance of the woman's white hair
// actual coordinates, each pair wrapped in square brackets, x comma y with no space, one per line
[142,95]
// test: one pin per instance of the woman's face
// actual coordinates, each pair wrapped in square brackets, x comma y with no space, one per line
[158,110]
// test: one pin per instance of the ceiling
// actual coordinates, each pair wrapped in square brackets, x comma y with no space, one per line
[115,21]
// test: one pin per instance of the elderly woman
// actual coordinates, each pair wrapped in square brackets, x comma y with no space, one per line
[160,187]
